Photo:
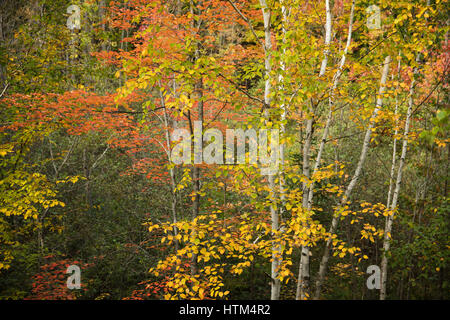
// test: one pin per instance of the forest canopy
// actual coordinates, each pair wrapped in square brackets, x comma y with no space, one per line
[224,149]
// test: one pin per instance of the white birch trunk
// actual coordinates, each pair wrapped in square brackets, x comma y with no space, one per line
[283,117]
[336,79]
[303,272]
[357,173]
[323,66]
[394,148]
[275,282]
[390,218]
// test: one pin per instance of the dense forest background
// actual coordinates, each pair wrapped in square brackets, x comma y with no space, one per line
[89,100]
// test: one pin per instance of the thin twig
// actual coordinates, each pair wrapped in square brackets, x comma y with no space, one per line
[249,24]
[4,90]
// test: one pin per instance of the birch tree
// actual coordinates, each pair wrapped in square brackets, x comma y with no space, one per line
[303,277]
[275,282]
[303,272]
[354,180]
[393,204]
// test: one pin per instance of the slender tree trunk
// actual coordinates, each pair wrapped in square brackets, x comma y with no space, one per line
[275,282]
[171,170]
[283,107]
[394,148]
[394,160]
[2,67]
[357,173]
[87,175]
[390,218]
[283,117]
[336,79]
[196,170]
[303,272]
[101,12]
[197,153]
[323,66]
[303,280]
[276,250]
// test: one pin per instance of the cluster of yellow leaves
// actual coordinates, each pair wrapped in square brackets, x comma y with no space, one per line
[186,179]
[343,270]
[7,243]
[370,232]
[207,240]
[340,249]
[23,194]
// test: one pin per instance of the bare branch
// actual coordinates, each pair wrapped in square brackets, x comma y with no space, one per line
[4,89]
[249,24]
